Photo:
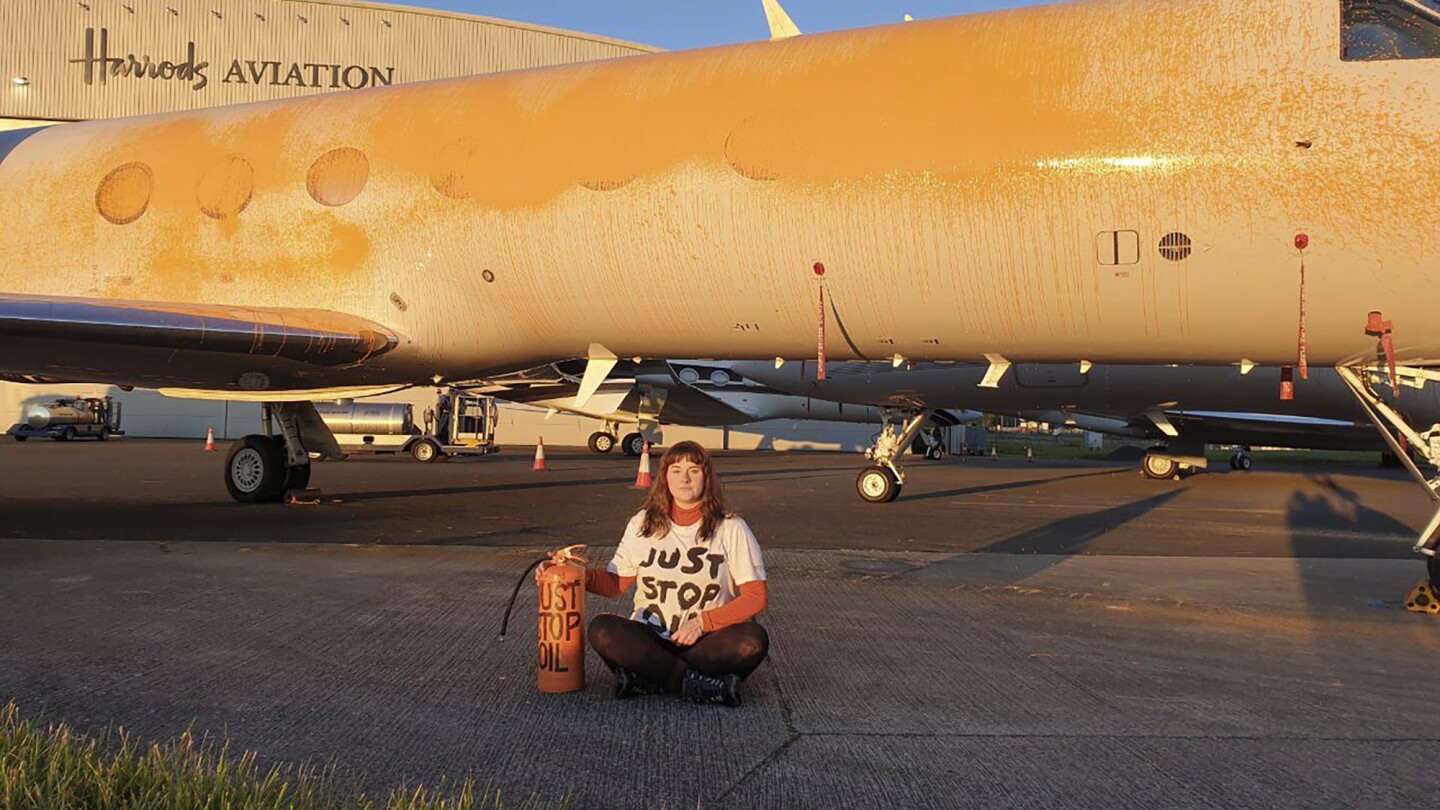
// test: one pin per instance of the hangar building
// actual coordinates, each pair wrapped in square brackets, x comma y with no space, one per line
[77,60]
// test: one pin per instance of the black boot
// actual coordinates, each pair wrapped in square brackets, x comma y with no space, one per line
[629,684]
[722,689]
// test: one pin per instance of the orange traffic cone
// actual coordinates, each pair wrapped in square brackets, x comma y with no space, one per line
[994,456]
[539,455]
[642,480]
[210,440]
[1029,456]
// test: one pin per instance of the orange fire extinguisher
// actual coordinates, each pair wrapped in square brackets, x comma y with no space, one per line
[561,627]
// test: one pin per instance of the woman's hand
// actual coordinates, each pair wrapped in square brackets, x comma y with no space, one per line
[689,631]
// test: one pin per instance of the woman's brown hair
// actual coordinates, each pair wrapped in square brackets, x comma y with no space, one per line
[658,503]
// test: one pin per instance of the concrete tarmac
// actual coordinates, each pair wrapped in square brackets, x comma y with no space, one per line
[1006,634]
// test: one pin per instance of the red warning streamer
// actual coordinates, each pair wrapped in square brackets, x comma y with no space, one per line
[820,344]
[1377,327]
[820,338]
[1301,242]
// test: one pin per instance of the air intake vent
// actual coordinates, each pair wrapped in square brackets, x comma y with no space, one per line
[1175,246]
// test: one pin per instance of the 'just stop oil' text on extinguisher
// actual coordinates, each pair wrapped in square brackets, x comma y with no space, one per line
[562,619]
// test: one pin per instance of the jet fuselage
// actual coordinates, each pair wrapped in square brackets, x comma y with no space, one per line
[1120,181]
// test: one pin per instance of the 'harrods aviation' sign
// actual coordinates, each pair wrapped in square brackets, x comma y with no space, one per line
[100,66]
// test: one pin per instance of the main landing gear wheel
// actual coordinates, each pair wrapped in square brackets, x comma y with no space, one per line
[424,451]
[297,478]
[1159,467]
[601,443]
[256,472]
[633,444]
[877,484]
[1241,462]
[934,453]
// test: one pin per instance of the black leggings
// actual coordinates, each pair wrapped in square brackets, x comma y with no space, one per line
[635,646]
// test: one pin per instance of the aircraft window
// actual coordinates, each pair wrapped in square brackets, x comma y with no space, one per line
[1373,30]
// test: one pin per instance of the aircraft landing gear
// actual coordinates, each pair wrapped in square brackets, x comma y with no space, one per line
[633,444]
[929,444]
[1426,444]
[877,484]
[255,469]
[1174,459]
[882,480]
[261,468]
[1158,467]
[603,441]
[1241,461]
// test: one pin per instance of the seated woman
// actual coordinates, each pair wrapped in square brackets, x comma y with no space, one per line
[701,583]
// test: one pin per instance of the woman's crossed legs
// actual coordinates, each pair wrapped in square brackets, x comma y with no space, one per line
[636,647]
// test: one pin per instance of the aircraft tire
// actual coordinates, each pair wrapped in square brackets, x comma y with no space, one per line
[934,453]
[297,477]
[877,484]
[1159,468]
[1390,461]
[1243,463]
[601,442]
[425,451]
[633,444]
[255,470]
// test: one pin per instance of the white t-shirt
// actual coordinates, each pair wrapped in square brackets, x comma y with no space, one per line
[677,576]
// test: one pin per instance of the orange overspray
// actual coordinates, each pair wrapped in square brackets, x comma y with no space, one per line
[561,628]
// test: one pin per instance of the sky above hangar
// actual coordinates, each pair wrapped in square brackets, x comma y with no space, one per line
[676,24]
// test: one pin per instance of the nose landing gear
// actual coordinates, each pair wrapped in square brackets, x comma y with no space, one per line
[881,481]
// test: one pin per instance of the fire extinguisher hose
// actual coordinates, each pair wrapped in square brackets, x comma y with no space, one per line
[506,623]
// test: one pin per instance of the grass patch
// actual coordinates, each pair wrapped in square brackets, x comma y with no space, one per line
[54,767]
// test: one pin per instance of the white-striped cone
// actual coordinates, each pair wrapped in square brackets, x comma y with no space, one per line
[643,480]
[539,455]
[210,440]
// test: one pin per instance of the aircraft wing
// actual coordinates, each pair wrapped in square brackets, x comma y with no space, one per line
[198,346]
[1214,427]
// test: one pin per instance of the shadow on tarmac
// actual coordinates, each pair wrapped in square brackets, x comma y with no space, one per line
[1044,547]
[1070,535]
[1031,482]
[1334,509]
[535,485]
